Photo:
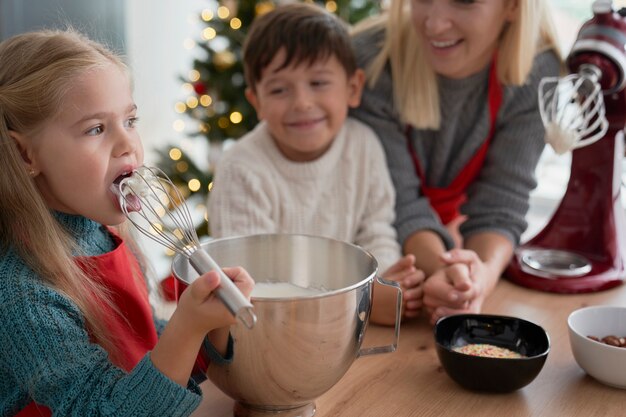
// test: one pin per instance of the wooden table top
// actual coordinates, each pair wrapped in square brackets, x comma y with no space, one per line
[411,382]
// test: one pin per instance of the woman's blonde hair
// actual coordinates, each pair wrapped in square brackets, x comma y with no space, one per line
[36,71]
[415,83]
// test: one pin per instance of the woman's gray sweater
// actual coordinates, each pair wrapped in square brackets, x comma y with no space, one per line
[497,200]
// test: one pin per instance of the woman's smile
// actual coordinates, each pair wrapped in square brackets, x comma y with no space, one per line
[445,44]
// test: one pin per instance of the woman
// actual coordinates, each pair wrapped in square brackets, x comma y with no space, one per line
[452,95]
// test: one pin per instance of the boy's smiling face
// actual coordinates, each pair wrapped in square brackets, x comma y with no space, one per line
[305,105]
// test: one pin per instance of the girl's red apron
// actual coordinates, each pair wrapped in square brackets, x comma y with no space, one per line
[447,201]
[134,332]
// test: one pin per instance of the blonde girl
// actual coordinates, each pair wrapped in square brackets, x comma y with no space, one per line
[77,335]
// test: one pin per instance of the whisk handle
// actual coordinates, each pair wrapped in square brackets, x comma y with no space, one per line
[227,291]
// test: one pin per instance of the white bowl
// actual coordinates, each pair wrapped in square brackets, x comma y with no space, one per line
[605,363]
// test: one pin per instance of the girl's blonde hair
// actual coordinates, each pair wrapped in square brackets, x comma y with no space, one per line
[36,71]
[415,83]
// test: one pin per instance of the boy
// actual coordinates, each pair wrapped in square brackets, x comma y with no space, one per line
[307,168]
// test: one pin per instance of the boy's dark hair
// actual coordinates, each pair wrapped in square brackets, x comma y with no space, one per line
[306,32]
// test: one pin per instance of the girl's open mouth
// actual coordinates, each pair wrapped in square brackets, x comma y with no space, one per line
[127,200]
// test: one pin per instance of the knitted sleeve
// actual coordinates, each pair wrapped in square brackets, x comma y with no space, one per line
[377,109]
[159,324]
[375,231]
[46,355]
[498,200]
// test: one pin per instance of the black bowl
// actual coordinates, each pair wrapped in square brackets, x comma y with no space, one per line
[485,373]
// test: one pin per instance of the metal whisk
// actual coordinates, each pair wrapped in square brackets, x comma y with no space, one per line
[156,208]
[572,109]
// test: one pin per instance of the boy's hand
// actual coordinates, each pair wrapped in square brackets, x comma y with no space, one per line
[410,279]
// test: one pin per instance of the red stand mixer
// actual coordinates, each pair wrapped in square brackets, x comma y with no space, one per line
[583,246]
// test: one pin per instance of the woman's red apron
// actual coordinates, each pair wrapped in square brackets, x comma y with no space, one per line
[447,201]
[134,332]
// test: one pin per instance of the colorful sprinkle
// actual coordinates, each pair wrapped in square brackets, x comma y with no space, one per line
[486,350]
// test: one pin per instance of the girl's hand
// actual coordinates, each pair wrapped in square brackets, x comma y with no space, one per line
[200,306]
[199,312]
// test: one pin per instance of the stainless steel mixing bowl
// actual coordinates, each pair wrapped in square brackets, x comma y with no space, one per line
[301,346]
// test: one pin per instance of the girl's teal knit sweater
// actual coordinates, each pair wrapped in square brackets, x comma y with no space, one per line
[46,354]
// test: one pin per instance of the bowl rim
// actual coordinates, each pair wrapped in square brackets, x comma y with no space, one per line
[180,259]
[492,316]
[583,310]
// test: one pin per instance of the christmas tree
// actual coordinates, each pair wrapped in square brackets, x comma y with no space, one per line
[216,86]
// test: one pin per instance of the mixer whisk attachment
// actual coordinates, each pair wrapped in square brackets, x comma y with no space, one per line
[156,208]
[572,109]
